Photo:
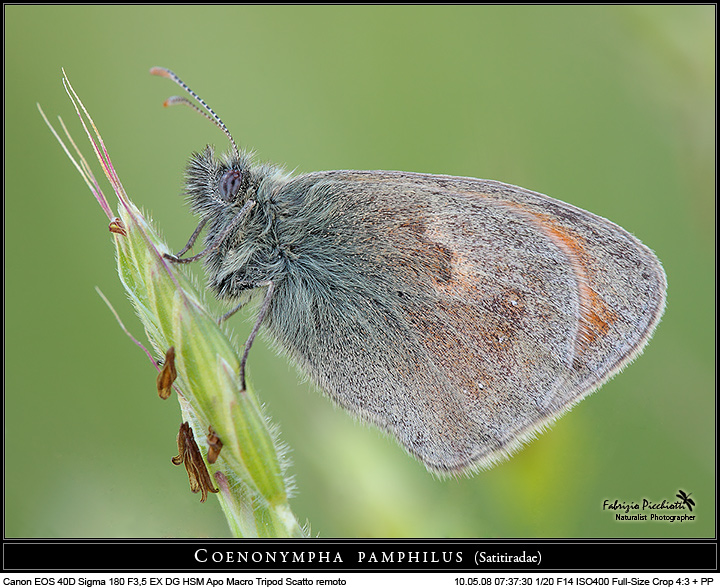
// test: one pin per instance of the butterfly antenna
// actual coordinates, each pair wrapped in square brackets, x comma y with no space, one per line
[210,114]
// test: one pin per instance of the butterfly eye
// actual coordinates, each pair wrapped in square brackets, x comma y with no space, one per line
[230,184]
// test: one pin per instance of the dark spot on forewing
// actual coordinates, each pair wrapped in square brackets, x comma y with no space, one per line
[423,256]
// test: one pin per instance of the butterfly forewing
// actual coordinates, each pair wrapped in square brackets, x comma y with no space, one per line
[458,314]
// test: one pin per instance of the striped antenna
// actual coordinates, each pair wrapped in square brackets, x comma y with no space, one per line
[210,115]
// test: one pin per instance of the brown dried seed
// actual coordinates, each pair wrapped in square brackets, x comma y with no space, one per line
[189,454]
[116,226]
[214,446]
[167,375]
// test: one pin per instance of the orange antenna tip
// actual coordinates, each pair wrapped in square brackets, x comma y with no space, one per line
[161,72]
[207,113]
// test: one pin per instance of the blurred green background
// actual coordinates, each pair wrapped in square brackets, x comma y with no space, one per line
[608,108]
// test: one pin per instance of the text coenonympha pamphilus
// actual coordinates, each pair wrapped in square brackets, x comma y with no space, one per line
[459,315]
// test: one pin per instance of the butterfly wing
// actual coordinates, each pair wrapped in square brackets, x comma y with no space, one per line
[460,315]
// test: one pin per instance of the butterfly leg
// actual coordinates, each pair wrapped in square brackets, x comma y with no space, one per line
[191,241]
[260,317]
[229,313]
[216,242]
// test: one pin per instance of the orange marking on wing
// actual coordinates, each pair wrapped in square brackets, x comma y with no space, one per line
[595,316]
